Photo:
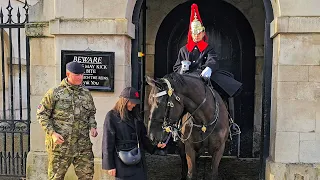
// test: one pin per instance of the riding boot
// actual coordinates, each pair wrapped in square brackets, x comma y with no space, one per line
[231,107]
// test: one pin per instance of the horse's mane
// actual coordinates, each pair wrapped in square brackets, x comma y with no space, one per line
[176,79]
[179,81]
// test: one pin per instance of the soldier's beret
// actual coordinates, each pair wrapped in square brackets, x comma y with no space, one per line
[75,67]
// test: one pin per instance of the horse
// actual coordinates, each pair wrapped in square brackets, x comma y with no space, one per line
[207,126]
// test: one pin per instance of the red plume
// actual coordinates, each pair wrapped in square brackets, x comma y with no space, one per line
[194,9]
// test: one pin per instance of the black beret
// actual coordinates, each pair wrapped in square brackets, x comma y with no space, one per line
[75,68]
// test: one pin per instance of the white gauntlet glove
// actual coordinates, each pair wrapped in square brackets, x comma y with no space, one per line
[206,73]
[184,66]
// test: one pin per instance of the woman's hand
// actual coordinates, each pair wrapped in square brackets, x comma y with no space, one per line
[112,172]
[161,145]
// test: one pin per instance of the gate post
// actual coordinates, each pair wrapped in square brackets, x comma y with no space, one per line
[77,25]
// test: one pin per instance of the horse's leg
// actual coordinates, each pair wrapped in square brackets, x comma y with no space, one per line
[216,146]
[188,156]
[191,161]
[216,157]
[184,165]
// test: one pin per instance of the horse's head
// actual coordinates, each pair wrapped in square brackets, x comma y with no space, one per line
[166,108]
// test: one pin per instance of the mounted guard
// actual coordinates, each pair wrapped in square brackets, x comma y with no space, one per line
[198,56]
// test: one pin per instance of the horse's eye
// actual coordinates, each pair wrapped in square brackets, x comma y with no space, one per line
[159,102]
[162,103]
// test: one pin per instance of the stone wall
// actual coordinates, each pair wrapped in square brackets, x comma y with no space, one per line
[83,26]
[295,91]
[295,82]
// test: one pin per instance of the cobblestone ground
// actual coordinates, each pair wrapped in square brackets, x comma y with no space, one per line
[169,168]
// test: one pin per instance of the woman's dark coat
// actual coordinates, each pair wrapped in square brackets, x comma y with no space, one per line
[208,58]
[122,135]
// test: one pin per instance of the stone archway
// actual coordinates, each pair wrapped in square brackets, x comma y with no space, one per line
[232,38]
[252,11]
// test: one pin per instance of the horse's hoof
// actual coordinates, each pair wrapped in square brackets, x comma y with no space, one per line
[190,177]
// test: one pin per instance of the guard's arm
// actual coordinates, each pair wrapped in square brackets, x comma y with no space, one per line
[92,113]
[181,57]
[211,62]
[44,112]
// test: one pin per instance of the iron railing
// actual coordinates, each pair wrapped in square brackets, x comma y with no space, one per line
[15,87]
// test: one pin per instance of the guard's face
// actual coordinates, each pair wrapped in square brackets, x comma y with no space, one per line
[74,79]
[198,37]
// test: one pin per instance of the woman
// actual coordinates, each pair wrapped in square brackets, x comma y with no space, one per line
[121,127]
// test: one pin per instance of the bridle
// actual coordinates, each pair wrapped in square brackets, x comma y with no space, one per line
[175,128]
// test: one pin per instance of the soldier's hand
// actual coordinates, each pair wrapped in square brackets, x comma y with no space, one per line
[57,138]
[93,132]
[112,172]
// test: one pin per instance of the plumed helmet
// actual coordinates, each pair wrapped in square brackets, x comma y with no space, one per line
[195,20]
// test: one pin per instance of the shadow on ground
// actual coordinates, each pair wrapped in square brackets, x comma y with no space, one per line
[169,168]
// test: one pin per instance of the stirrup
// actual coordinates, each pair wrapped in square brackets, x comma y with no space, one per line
[234,128]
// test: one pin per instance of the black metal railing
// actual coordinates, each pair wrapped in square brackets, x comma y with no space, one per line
[13,164]
[15,87]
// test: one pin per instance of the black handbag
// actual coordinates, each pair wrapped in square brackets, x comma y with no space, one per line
[133,156]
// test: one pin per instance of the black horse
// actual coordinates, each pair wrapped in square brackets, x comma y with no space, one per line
[174,96]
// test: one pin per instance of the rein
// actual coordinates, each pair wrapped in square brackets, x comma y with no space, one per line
[213,122]
[174,130]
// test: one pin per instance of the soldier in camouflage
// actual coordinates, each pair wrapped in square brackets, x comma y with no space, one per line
[67,115]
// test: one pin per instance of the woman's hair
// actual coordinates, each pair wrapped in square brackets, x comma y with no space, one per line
[121,108]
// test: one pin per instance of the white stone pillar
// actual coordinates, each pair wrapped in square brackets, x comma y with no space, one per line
[100,25]
[295,132]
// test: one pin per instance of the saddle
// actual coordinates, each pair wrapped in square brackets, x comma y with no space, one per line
[196,74]
[228,101]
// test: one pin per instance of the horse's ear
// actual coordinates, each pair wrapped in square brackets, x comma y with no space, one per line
[158,83]
[151,81]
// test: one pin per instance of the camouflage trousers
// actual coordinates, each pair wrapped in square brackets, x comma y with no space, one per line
[59,164]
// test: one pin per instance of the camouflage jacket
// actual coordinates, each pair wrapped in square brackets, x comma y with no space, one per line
[69,111]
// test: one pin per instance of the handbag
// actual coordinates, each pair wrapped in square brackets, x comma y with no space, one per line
[133,156]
